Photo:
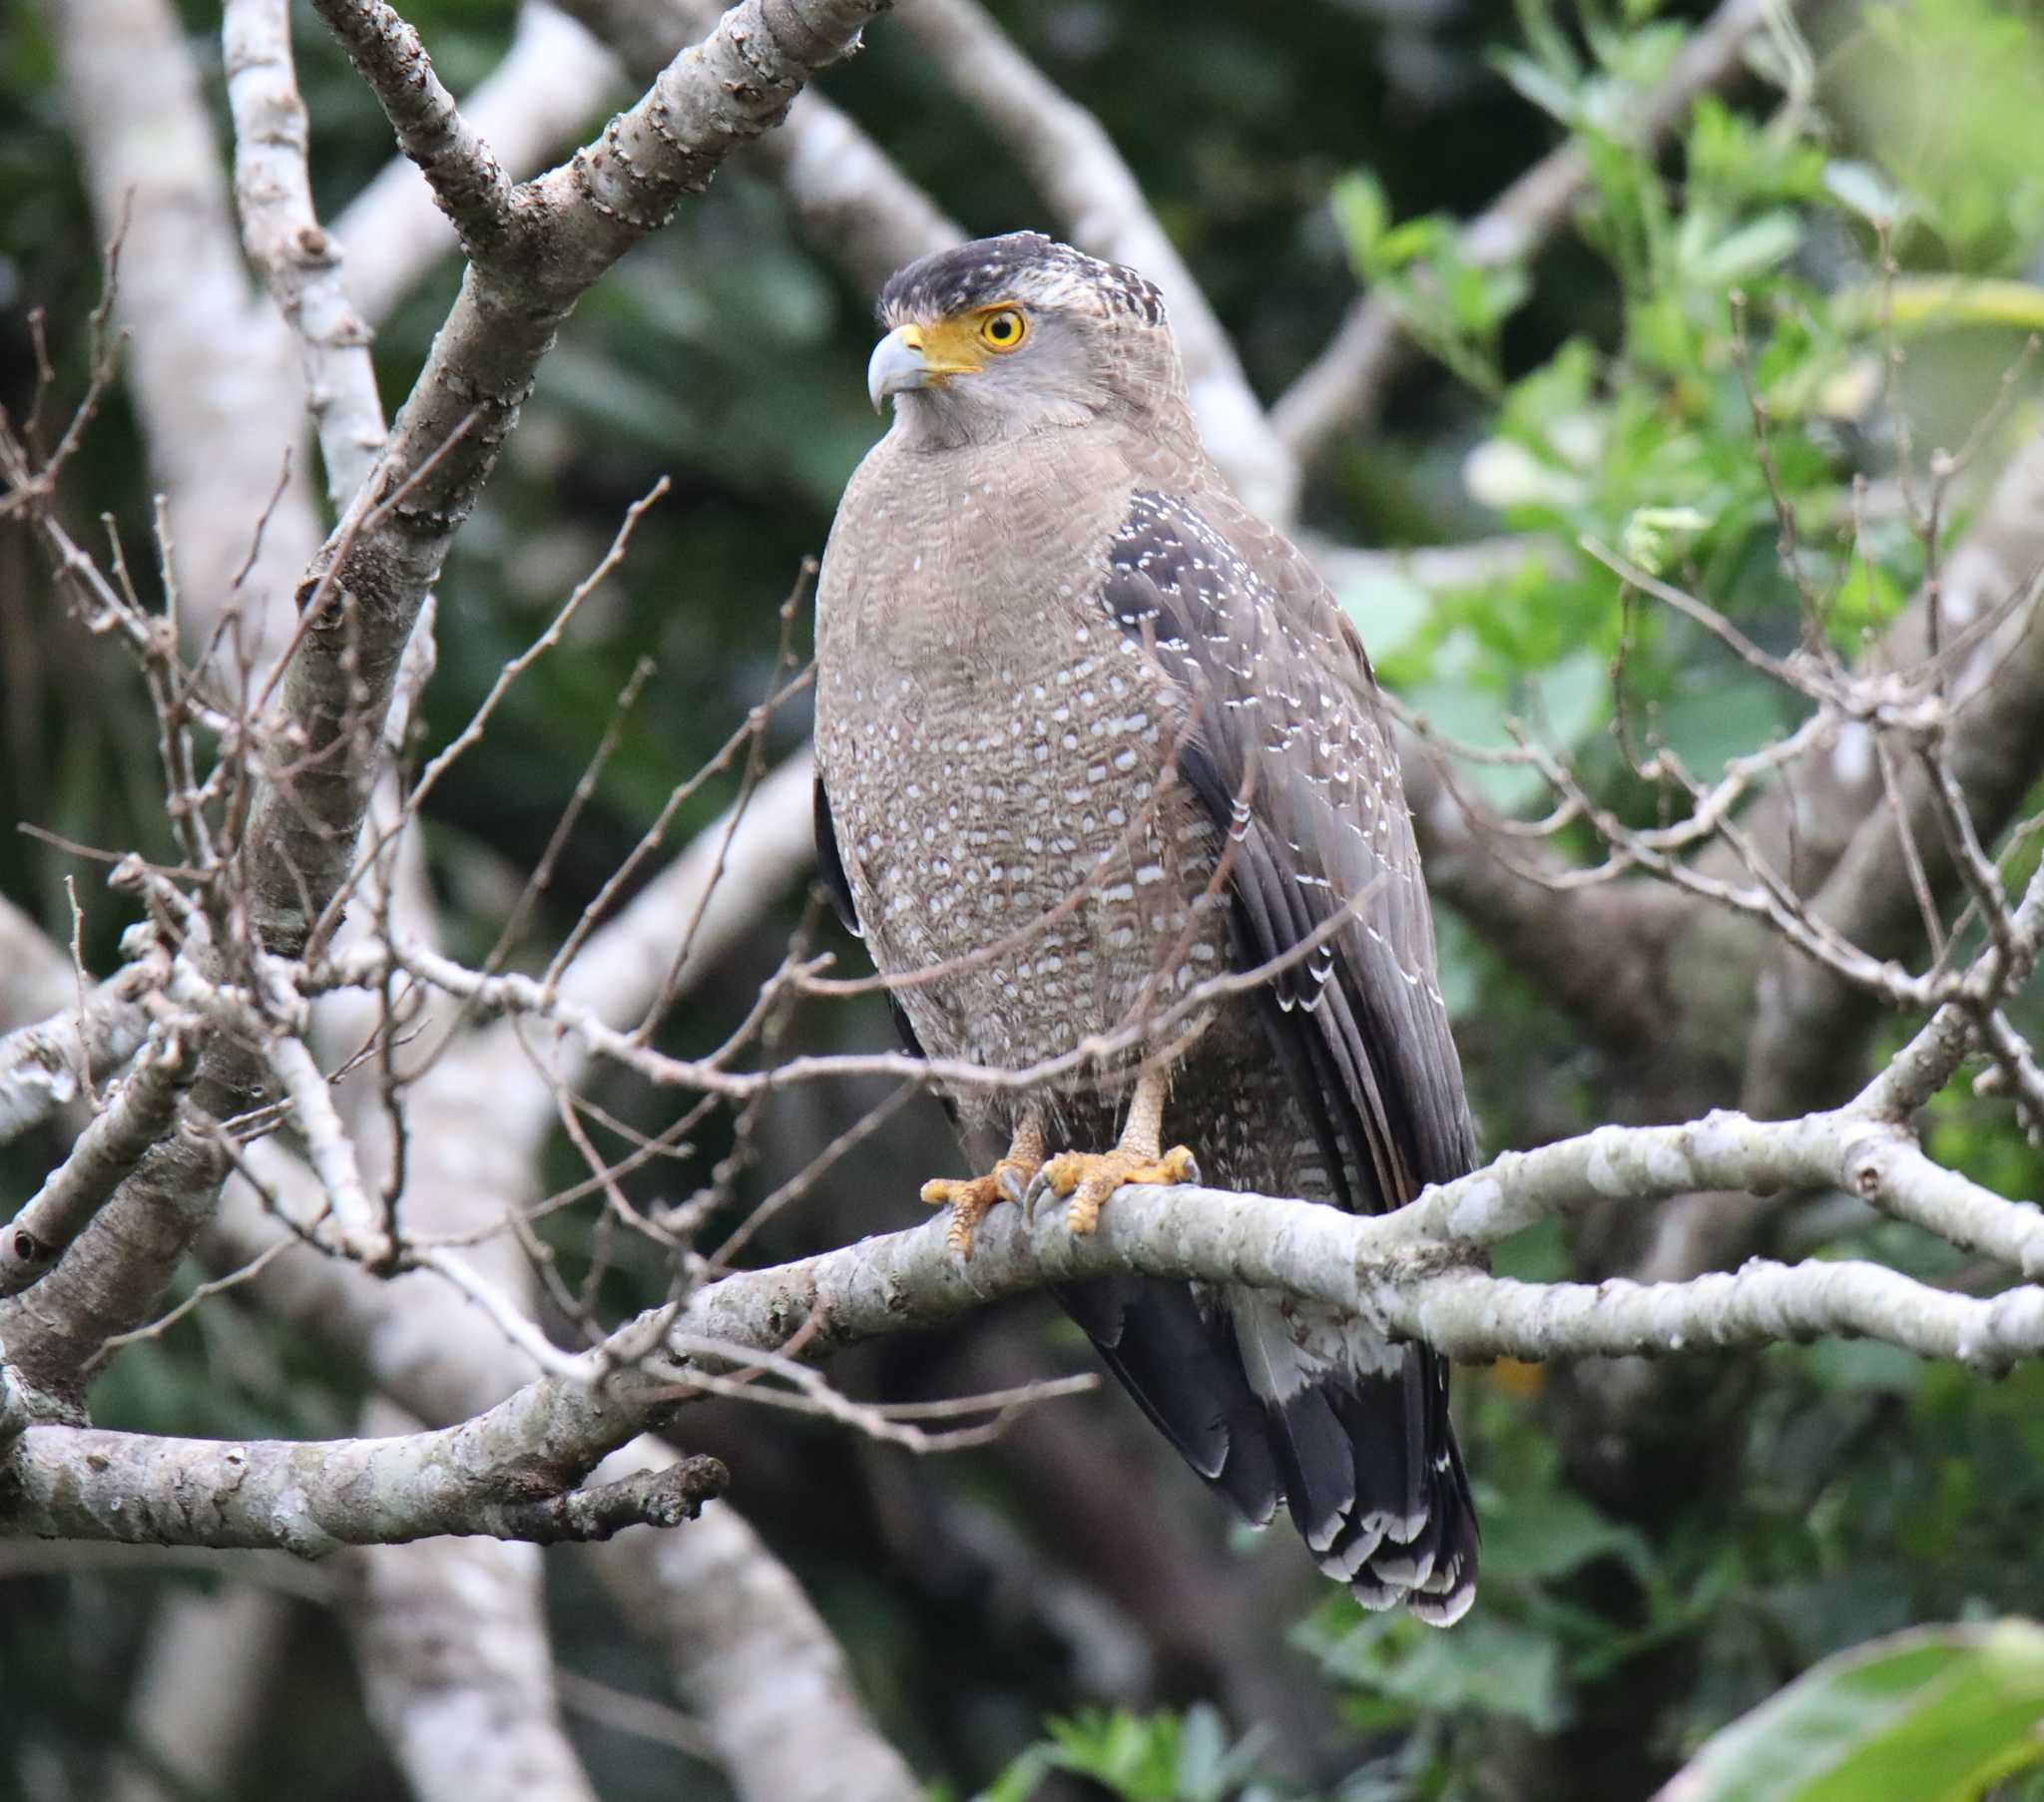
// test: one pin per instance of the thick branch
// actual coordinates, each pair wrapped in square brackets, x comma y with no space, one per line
[1390,1269]
[726,1609]
[514,1473]
[457,1670]
[201,1690]
[751,1657]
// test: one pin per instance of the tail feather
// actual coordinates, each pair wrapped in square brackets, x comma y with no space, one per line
[1180,1362]
[1368,1460]
[1269,1401]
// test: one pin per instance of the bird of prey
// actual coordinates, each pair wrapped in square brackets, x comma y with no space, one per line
[1091,739]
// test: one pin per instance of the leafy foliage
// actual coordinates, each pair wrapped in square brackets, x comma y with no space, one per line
[1935,1715]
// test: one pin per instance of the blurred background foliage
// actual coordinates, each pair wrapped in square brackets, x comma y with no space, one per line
[1836,263]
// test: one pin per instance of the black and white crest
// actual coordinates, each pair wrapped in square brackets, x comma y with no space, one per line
[1022,266]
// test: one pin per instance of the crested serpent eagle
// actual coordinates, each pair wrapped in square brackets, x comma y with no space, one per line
[1089,736]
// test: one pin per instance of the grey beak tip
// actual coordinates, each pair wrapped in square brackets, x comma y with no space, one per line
[895,365]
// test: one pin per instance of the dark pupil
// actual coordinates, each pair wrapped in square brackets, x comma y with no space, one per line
[1003,326]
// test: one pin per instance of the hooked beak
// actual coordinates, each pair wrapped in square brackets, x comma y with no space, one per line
[897,364]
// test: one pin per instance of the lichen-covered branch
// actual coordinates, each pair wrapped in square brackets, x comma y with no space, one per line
[513,1472]
[1394,1268]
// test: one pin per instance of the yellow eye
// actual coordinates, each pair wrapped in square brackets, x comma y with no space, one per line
[1003,330]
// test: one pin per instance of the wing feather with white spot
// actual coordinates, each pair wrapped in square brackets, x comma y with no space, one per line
[1290,753]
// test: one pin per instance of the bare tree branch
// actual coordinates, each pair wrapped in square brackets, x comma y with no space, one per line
[552,82]
[1995,747]
[301,263]
[300,845]
[458,1673]
[731,1607]
[211,369]
[508,1473]
[53,1062]
[560,233]
[472,187]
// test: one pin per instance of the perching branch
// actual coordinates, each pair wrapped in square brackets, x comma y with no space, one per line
[721,1609]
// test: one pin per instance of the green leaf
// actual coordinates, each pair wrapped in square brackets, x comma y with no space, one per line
[1487,1666]
[1538,84]
[1550,1533]
[1937,1714]
[1865,190]
[1750,251]
[1363,212]
[1388,609]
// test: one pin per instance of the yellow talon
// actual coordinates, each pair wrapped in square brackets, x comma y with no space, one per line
[971,1199]
[1089,1177]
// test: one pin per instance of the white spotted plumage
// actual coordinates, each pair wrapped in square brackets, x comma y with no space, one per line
[1087,739]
